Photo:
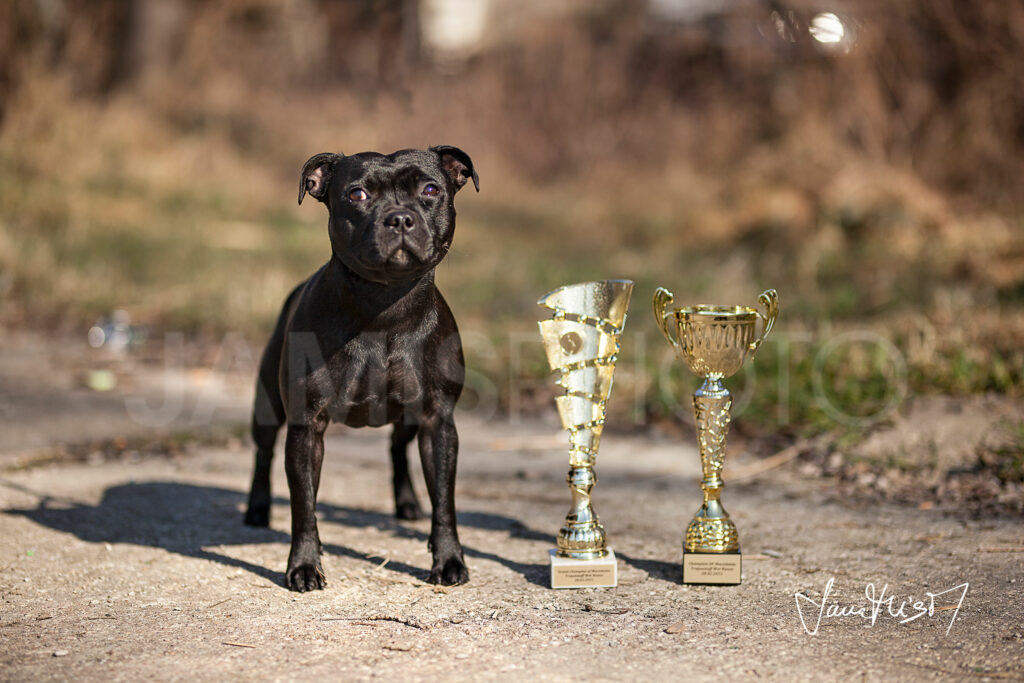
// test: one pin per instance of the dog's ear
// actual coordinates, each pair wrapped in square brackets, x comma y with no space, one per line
[316,175]
[457,165]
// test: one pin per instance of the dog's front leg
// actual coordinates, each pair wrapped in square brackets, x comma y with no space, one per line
[439,448]
[304,456]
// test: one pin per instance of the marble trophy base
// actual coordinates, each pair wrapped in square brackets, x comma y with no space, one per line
[722,569]
[567,572]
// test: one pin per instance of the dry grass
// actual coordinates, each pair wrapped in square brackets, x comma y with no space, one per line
[173,197]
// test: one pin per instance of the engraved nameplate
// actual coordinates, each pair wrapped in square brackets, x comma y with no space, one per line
[714,568]
[569,573]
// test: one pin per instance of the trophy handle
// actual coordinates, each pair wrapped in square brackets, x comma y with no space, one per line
[662,298]
[770,300]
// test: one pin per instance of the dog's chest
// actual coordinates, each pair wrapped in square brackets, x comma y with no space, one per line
[374,384]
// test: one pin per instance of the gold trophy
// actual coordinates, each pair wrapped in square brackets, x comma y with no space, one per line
[713,341]
[582,344]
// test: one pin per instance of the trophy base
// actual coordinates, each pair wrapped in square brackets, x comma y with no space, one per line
[722,569]
[566,572]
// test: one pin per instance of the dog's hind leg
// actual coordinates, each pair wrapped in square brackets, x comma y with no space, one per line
[267,418]
[268,415]
[406,505]
[258,512]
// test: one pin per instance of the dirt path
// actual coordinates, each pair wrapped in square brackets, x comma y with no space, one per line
[139,567]
[131,570]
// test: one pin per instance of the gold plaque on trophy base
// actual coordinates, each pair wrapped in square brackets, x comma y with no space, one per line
[567,572]
[723,569]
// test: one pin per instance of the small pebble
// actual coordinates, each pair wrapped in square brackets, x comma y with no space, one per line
[677,627]
[59,653]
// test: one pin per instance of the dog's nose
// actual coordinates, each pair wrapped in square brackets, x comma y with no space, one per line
[401,221]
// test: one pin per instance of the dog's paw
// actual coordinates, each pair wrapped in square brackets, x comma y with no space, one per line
[451,573]
[408,510]
[305,577]
[255,516]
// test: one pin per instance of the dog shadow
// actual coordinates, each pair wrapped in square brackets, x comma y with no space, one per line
[194,521]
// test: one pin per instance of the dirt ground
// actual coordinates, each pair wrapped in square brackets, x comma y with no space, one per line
[138,566]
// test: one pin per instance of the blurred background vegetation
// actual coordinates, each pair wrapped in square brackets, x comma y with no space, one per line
[865,158]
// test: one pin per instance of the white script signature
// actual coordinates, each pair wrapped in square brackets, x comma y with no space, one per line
[871,611]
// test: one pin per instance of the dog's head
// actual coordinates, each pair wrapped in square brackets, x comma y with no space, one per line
[392,217]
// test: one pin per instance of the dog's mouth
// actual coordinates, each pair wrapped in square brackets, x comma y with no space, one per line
[396,260]
[400,257]
[402,252]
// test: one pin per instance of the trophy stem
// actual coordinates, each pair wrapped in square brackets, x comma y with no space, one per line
[582,537]
[711,530]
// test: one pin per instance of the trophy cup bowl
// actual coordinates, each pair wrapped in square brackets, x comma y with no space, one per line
[581,341]
[713,342]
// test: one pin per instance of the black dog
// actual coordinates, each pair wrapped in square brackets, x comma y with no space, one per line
[367,341]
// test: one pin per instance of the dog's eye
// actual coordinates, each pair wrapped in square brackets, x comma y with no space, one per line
[431,190]
[358,195]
